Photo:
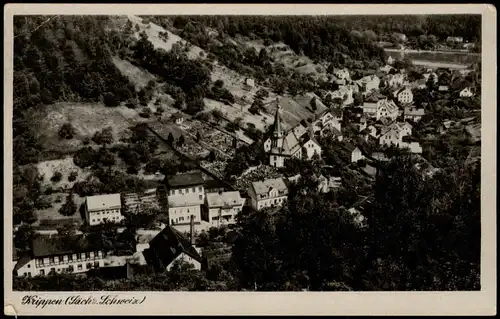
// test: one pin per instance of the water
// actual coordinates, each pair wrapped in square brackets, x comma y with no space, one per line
[458,60]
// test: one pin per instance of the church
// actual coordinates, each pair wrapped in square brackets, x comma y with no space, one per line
[298,142]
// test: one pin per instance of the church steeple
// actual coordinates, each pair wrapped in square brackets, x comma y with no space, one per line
[278,129]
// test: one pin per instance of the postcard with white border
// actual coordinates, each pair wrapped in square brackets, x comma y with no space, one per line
[213,159]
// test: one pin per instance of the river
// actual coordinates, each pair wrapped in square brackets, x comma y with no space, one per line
[436,59]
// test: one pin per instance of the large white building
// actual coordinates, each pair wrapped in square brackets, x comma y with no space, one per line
[58,254]
[221,209]
[404,96]
[101,208]
[268,193]
[186,194]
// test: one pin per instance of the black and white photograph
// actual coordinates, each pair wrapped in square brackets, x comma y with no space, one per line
[165,152]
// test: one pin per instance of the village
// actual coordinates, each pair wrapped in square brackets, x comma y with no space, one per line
[147,183]
[198,202]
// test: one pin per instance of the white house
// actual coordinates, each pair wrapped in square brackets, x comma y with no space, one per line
[386,108]
[312,147]
[390,60]
[101,208]
[326,122]
[268,193]
[185,196]
[188,258]
[443,88]
[355,153]
[342,74]
[392,137]
[404,96]
[249,83]
[60,254]
[370,109]
[369,83]
[221,209]
[412,113]
[467,92]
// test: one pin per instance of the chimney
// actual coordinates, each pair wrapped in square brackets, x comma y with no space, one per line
[191,230]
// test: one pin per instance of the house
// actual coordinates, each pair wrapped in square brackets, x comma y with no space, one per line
[355,152]
[249,84]
[372,131]
[221,209]
[57,254]
[391,137]
[342,74]
[404,95]
[467,92]
[268,193]
[412,113]
[101,208]
[327,184]
[362,124]
[311,147]
[168,246]
[326,122]
[282,145]
[177,118]
[379,156]
[186,194]
[443,88]
[415,148]
[369,109]
[405,128]
[390,60]
[432,75]
[368,83]
[420,84]
[396,80]
[386,108]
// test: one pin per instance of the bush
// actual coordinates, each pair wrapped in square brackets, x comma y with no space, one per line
[146,112]
[72,176]
[84,157]
[86,141]
[104,137]
[56,177]
[110,100]
[67,131]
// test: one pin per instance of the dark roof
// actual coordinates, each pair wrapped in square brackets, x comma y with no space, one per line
[168,245]
[214,183]
[185,179]
[44,246]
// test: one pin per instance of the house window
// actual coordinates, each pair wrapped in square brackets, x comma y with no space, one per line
[80,267]
[29,266]
[96,264]
[87,255]
[51,260]
[70,257]
[82,256]
[194,189]
[29,273]
[42,272]
[89,265]
[52,270]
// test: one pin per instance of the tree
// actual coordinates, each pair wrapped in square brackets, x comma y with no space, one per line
[181,141]
[110,99]
[146,112]
[104,137]
[69,207]
[56,177]
[198,136]
[170,139]
[72,176]
[67,131]
[358,98]
[23,237]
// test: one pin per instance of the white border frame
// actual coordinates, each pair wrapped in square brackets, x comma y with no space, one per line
[313,303]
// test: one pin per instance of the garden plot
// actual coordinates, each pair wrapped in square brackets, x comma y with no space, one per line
[217,167]
[239,111]
[52,216]
[153,31]
[65,166]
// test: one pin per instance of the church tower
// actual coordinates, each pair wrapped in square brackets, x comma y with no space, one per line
[278,127]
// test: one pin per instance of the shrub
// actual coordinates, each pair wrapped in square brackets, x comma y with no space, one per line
[146,112]
[56,177]
[72,176]
[104,137]
[67,131]
[110,99]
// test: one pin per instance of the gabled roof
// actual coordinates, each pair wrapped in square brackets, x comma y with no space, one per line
[263,187]
[167,245]
[107,201]
[390,105]
[185,179]
[45,246]
[225,199]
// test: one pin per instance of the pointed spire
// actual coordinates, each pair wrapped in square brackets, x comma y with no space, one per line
[278,130]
